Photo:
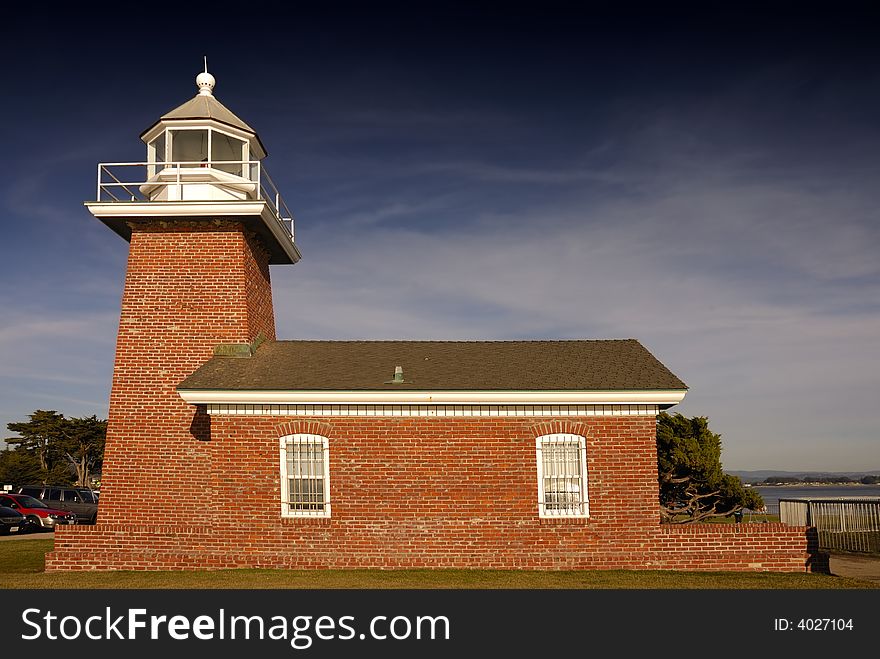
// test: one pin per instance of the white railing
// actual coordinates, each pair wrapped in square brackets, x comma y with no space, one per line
[844,524]
[126,182]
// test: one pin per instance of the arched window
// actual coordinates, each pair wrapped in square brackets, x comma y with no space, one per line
[305,476]
[562,475]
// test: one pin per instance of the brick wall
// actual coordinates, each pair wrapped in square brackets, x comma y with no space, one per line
[436,493]
[742,547]
[188,287]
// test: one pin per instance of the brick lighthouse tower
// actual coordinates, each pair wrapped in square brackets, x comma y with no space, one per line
[204,222]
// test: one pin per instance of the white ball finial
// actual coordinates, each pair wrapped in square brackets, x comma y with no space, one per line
[205,81]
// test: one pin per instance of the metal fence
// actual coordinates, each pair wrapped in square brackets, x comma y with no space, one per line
[842,524]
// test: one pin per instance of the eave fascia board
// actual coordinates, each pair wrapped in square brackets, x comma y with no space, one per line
[135,209]
[251,397]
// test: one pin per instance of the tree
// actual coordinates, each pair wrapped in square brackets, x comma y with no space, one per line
[18,467]
[37,435]
[52,449]
[82,444]
[772,480]
[693,486]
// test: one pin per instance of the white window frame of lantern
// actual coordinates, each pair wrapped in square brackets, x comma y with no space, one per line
[286,503]
[581,508]
[168,147]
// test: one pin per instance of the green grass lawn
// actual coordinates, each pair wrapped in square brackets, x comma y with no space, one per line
[22,563]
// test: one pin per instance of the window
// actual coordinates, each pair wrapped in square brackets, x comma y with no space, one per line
[189,146]
[305,476]
[155,154]
[562,475]
[224,147]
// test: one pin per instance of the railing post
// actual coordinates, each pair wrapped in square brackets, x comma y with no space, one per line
[98,198]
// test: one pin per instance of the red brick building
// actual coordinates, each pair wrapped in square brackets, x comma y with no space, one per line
[229,448]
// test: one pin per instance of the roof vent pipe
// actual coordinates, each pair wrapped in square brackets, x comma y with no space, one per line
[398,377]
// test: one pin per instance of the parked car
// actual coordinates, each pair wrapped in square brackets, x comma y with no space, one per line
[37,513]
[77,500]
[12,521]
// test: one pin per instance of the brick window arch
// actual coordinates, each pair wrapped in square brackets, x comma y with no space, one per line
[562,475]
[305,475]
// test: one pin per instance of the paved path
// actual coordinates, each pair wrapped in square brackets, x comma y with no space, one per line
[856,566]
[40,535]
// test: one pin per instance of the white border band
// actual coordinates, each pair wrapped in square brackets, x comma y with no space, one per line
[441,411]
[219,397]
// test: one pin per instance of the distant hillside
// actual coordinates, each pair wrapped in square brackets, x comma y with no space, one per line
[761,474]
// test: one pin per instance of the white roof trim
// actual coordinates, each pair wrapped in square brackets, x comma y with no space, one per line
[430,411]
[174,208]
[214,397]
[216,124]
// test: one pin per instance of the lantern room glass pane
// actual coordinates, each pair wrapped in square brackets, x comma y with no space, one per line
[155,154]
[158,152]
[189,146]
[226,147]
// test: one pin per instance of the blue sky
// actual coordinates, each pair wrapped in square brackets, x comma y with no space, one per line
[705,181]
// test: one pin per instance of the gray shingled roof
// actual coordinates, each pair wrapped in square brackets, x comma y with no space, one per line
[204,106]
[622,364]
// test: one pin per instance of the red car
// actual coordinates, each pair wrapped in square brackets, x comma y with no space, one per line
[38,514]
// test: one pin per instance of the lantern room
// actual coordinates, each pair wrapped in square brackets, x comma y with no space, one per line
[196,145]
[202,161]
[201,151]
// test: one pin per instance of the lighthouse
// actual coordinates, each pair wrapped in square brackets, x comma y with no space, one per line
[202,163]
[229,448]
[204,221]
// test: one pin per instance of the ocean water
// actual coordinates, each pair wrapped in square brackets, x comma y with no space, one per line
[773,493]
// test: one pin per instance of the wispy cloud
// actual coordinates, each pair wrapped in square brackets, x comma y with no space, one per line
[54,355]
[88,326]
[507,174]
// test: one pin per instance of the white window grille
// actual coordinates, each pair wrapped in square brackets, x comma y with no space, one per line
[305,476]
[562,475]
